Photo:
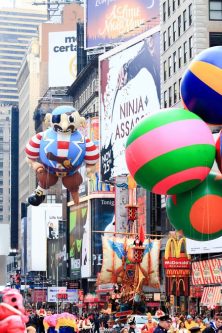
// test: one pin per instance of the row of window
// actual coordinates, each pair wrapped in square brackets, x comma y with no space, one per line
[215,9]
[172,95]
[169,7]
[179,57]
[175,31]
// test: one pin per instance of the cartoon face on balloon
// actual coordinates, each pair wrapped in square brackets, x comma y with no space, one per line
[198,212]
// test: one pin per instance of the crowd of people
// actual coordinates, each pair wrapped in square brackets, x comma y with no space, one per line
[100,323]
[14,318]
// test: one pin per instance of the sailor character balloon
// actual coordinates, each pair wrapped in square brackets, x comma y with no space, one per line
[59,151]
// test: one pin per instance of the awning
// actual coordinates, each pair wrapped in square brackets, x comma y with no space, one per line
[211,297]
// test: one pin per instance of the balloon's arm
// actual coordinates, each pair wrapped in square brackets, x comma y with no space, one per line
[34,164]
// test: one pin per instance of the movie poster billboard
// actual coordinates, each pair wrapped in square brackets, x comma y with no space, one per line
[129,91]
[111,21]
[103,219]
[78,221]
[62,64]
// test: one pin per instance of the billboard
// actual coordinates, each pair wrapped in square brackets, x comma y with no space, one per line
[110,21]
[103,219]
[5,239]
[79,225]
[198,247]
[62,294]
[57,256]
[129,91]
[62,61]
[39,220]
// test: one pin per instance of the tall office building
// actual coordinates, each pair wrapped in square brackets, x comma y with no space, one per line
[187,28]
[17,27]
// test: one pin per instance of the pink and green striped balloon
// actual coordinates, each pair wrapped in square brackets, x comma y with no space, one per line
[170,152]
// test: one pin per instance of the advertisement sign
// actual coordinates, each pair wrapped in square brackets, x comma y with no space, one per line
[124,98]
[39,220]
[122,197]
[207,272]
[55,294]
[111,21]
[57,255]
[62,64]
[79,225]
[172,272]
[5,241]
[103,219]
[198,247]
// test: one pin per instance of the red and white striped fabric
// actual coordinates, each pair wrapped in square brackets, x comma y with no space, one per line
[92,152]
[33,146]
[207,272]
[211,296]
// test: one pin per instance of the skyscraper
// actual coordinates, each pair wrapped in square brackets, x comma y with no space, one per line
[17,27]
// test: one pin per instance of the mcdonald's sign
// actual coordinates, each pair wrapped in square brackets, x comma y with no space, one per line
[177,264]
[176,261]
[176,248]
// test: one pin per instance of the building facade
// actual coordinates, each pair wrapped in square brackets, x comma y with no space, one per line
[187,28]
[17,27]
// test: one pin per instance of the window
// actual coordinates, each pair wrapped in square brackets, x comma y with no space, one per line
[178,2]
[175,92]
[190,14]
[164,71]
[169,66]
[165,99]
[215,10]
[164,41]
[169,8]
[169,35]
[174,62]
[179,88]
[185,52]
[215,38]
[191,46]
[170,96]
[184,20]
[164,11]
[174,31]
[174,5]
[179,56]
[179,26]
[51,198]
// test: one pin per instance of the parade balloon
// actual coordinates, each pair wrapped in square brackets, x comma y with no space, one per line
[198,212]
[59,152]
[170,152]
[201,85]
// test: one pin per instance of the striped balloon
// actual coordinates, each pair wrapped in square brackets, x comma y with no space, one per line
[170,151]
[201,85]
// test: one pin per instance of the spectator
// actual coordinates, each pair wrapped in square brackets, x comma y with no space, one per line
[189,322]
[214,325]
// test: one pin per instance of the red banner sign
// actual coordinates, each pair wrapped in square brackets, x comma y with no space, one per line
[177,263]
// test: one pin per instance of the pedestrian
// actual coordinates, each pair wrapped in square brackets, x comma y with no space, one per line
[164,324]
[214,325]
